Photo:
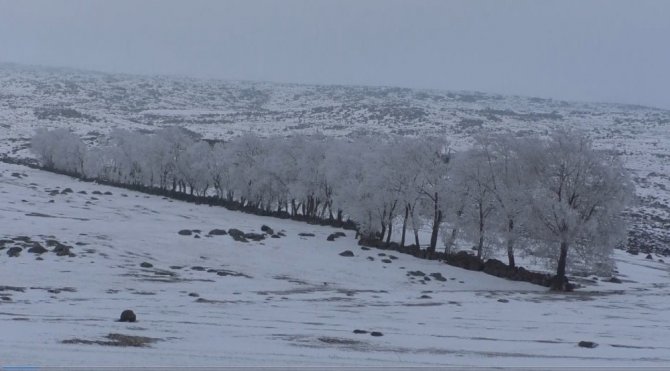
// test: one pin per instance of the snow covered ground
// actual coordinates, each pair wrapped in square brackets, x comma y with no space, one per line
[293,300]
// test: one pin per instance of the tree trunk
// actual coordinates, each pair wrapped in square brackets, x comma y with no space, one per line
[560,282]
[404,227]
[480,245]
[388,236]
[437,219]
[510,244]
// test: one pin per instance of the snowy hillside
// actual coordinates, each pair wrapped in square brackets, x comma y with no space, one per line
[205,299]
[93,103]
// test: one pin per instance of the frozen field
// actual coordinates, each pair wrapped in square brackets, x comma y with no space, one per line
[293,300]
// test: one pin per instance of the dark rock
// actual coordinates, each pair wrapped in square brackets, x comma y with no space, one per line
[381,254]
[376,333]
[633,251]
[387,261]
[614,280]
[61,250]
[217,232]
[340,234]
[82,192]
[275,236]
[193,294]
[237,235]
[96,193]
[371,258]
[347,253]
[360,331]
[438,276]
[649,257]
[14,251]
[197,268]
[66,191]
[587,344]
[185,232]
[496,268]
[503,301]
[108,193]
[196,236]
[416,273]
[254,236]
[331,237]
[365,248]
[266,229]
[393,257]
[306,234]
[661,261]
[128,316]
[146,265]
[425,297]
[37,249]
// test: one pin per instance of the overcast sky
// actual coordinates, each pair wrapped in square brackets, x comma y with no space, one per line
[613,51]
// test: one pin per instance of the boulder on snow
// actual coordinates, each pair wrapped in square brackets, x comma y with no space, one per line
[587,344]
[237,235]
[254,236]
[376,333]
[128,316]
[185,232]
[306,234]
[347,253]
[14,251]
[266,229]
[217,232]
[37,249]
[146,265]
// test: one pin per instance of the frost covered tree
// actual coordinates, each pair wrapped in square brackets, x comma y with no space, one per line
[578,197]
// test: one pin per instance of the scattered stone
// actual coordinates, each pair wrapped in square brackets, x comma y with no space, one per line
[128,316]
[37,249]
[416,273]
[425,297]
[331,237]
[503,301]
[275,236]
[96,193]
[376,333]
[237,235]
[661,261]
[306,234]
[146,265]
[614,280]
[393,257]
[176,267]
[365,248]
[438,276]
[649,257]
[196,236]
[371,258]
[108,193]
[267,229]
[185,232]
[66,191]
[217,232]
[387,261]
[194,294]
[381,254]
[587,344]
[82,192]
[198,268]
[15,251]
[360,331]
[347,253]
[61,250]
[254,236]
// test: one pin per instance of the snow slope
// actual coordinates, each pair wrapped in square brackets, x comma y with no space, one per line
[296,301]
[93,103]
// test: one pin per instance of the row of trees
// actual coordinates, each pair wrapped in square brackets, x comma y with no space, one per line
[550,195]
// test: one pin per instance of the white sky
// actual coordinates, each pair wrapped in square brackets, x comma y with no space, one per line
[605,50]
